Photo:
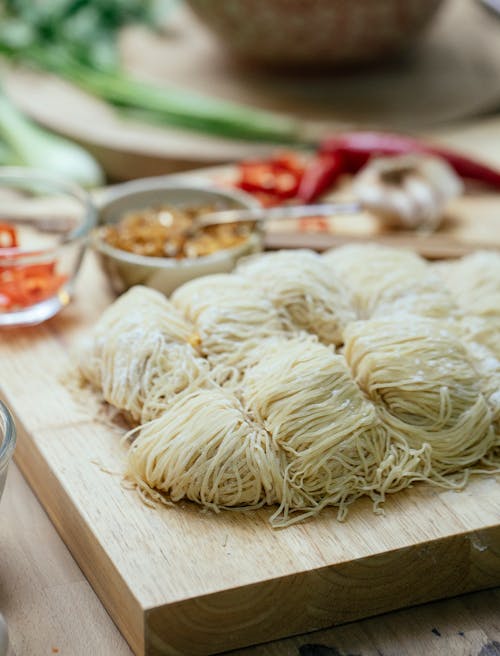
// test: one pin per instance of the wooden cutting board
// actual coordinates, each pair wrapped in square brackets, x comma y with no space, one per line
[180,581]
[453,73]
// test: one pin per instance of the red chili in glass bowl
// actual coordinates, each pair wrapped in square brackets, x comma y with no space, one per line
[44,226]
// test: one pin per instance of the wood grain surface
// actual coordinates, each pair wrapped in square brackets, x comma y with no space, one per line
[179,581]
[453,74]
[51,608]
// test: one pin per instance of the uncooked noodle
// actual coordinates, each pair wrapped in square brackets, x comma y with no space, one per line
[419,375]
[262,387]
[303,289]
[205,449]
[386,281]
[232,320]
[335,447]
[474,282]
[138,355]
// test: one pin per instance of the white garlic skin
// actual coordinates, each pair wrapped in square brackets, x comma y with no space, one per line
[409,191]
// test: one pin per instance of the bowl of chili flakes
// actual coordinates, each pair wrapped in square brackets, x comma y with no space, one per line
[144,236]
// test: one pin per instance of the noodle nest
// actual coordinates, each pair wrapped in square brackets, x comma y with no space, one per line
[304,381]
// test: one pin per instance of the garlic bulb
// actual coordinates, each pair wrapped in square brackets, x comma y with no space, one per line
[409,191]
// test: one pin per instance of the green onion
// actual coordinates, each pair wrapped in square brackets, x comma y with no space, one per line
[173,105]
[78,40]
[28,145]
[189,110]
[7,157]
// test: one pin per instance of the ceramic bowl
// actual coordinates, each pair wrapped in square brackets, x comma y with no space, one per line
[301,32]
[165,274]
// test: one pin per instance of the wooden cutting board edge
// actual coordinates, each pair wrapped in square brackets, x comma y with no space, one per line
[455,565]
[324,598]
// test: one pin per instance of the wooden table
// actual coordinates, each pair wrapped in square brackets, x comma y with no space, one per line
[51,609]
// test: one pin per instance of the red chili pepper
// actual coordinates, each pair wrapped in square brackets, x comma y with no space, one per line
[273,180]
[320,175]
[22,286]
[288,161]
[358,147]
[8,236]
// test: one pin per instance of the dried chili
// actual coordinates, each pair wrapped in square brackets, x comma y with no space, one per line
[357,148]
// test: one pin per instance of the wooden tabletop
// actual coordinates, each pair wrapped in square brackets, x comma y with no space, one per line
[51,609]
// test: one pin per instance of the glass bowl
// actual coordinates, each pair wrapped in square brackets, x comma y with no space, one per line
[7,442]
[125,269]
[44,226]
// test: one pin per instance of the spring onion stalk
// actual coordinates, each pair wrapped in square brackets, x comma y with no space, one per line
[190,110]
[29,145]
[7,157]
[174,105]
